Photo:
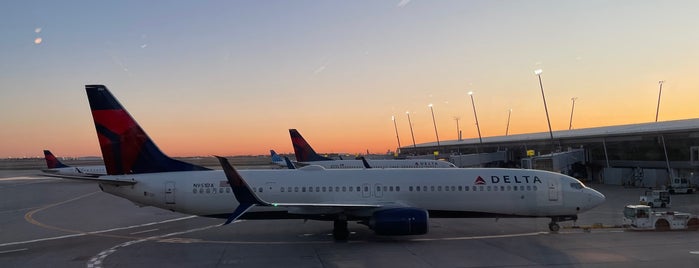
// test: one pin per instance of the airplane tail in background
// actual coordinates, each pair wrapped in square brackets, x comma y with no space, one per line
[275,157]
[52,161]
[126,148]
[303,151]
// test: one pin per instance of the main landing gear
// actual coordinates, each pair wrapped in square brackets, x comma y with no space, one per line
[340,231]
[553,225]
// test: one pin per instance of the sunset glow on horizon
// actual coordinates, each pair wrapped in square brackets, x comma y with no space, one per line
[230,78]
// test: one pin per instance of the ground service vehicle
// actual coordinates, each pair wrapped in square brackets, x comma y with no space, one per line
[680,186]
[656,198]
[642,217]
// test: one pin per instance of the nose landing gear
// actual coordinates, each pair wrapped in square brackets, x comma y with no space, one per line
[553,225]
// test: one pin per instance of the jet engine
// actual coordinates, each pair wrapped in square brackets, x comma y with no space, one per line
[400,221]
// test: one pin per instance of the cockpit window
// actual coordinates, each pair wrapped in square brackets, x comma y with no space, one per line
[576,185]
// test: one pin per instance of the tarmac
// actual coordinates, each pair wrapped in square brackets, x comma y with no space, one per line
[50,222]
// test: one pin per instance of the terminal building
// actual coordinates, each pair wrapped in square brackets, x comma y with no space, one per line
[640,155]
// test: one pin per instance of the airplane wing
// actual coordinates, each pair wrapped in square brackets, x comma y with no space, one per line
[92,179]
[247,199]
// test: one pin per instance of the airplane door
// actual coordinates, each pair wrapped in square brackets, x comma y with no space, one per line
[366,190]
[554,190]
[378,192]
[169,192]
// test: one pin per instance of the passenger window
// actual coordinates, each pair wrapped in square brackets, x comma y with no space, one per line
[310,189]
[325,188]
[521,188]
[534,187]
[390,188]
[417,188]
[488,188]
[351,188]
[337,188]
[439,188]
[509,188]
[453,188]
[228,189]
[317,188]
[208,190]
[397,188]
[330,189]
[282,189]
[260,189]
[220,190]
[466,188]
[344,188]
[529,187]
[432,188]
[385,188]
[194,191]
[358,189]
[502,188]
[460,188]
[378,188]
[366,188]
[410,188]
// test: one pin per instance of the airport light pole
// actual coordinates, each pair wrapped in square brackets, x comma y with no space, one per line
[570,126]
[393,118]
[434,123]
[507,129]
[478,127]
[660,92]
[411,133]
[541,85]
[458,131]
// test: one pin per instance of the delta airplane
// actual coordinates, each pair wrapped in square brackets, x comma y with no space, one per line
[389,201]
[55,168]
[306,155]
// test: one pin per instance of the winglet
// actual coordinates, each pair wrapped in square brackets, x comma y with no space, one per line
[242,191]
[366,163]
[52,161]
[304,152]
[289,164]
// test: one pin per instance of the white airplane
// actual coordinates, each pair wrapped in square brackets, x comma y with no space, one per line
[389,201]
[306,155]
[57,169]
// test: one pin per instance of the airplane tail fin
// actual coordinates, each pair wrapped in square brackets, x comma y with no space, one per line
[275,156]
[302,149]
[52,161]
[126,148]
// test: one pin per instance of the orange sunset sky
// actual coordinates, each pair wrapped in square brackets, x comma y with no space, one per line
[230,77]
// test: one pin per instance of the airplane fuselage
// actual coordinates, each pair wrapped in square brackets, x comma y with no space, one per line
[448,192]
[383,163]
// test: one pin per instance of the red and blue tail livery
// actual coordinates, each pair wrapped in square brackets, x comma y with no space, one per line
[126,148]
[52,161]
[304,152]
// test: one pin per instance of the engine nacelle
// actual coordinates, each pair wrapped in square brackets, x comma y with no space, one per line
[400,221]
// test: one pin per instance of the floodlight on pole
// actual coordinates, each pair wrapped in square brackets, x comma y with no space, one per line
[411,132]
[478,127]
[538,73]
[570,126]
[660,92]
[434,123]
[395,126]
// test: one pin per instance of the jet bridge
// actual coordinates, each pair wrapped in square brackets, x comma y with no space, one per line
[557,162]
[476,160]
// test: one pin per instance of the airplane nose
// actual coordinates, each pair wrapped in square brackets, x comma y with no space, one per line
[596,198]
